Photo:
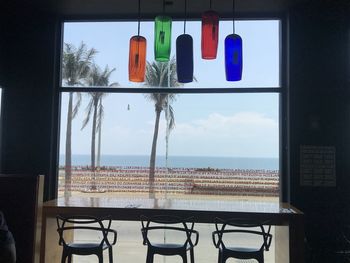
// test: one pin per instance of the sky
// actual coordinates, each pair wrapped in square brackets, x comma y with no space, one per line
[230,125]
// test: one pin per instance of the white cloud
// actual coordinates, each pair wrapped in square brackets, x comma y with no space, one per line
[248,134]
[243,124]
[244,134]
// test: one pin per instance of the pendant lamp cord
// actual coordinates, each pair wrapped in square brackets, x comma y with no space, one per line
[163,7]
[185,17]
[233,16]
[139,19]
[210,5]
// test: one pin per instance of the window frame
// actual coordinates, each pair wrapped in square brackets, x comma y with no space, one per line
[282,90]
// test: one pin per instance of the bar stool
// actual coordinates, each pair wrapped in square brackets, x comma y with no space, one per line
[230,229]
[84,223]
[172,225]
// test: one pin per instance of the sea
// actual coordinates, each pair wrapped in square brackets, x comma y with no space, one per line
[179,161]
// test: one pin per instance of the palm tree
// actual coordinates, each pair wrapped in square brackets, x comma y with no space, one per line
[160,74]
[76,65]
[97,77]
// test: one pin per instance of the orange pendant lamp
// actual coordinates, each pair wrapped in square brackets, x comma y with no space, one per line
[137,55]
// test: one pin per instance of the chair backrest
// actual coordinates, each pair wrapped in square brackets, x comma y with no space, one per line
[169,223]
[241,226]
[85,223]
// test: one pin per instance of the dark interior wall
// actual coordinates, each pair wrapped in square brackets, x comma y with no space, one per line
[318,95]
[320,114]
[27,78]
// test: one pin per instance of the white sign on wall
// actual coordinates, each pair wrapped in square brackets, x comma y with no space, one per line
[317,166]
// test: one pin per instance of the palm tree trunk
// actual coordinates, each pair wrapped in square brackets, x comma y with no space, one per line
[167,133]
[153,153]
[98,159]
[68,155]
[93,142]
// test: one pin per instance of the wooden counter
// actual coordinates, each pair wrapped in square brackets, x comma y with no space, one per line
[204,211]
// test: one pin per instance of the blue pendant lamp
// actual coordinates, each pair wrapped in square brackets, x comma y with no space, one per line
[162,37]
[184,55]
[233,53]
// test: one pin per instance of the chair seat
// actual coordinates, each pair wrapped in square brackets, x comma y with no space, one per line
[243,249]
[86,246]
[174,246]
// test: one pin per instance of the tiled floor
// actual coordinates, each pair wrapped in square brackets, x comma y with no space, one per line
[129,248]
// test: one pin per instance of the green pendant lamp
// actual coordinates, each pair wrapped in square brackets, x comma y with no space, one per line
[162,37]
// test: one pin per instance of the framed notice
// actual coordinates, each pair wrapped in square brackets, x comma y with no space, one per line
[317,166]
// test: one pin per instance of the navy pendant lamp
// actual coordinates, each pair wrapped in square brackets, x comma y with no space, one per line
[162,37]
[137,55]
[184,55]
[233,53]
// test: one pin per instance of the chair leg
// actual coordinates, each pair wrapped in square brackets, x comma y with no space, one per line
[70,258]
[224,257]
[149,258]
[100,257]
[184,257]
[64,256]
[192,255]
[220,257]
[110,253]
[260,258]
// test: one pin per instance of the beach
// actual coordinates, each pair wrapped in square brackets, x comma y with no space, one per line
[117,180]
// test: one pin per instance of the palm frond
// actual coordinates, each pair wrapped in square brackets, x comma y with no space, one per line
[169,113]
[114,84]
[76,63]
[97,77]
[77,104]
[157,74]
[88,110]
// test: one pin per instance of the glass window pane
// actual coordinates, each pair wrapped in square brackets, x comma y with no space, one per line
[110,40]
[218,145]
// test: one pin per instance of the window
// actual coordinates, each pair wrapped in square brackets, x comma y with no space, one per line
[225,140]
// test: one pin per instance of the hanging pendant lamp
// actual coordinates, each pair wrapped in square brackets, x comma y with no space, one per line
[184,55]
[162,37]
[233,53]
[137,55]
[210,34]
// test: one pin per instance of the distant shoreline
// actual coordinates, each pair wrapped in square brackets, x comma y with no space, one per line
[189,181]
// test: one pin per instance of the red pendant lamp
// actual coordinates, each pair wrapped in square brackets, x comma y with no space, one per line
[210,34]
[137,55]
